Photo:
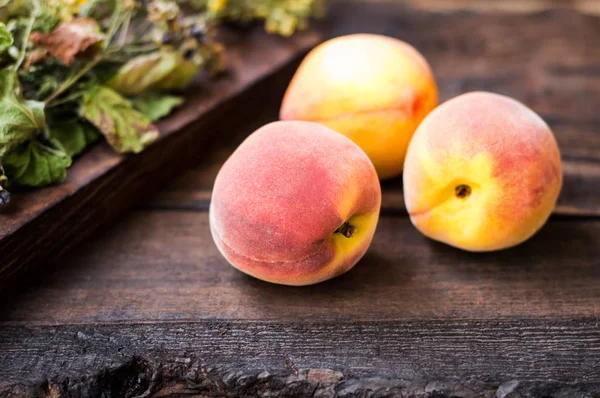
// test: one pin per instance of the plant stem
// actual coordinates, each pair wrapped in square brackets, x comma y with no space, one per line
[32,17]
[124,30]
[346,229]
[114,58]
[73,79]
[69,98]
[114,25]
[115,21]
[132,48]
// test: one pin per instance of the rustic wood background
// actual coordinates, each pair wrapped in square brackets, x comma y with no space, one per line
[102,185]
[150,308]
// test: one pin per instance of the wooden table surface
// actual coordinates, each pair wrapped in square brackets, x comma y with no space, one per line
[150,307]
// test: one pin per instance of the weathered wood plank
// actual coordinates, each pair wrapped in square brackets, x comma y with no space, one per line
[102,185]
[505,6]
[162,266]
[509,358]
[152,308]
[557,76]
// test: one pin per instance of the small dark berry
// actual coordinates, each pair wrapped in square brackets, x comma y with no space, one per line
[189,53]
[197,34]
[167,38]
[4,198]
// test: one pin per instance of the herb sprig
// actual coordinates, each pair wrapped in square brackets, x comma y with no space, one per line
[73,71]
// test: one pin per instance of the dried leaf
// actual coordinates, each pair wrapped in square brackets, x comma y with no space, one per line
[34,57]
[34,164]
[125,129]
[20,120]
[155,105]
[78,37]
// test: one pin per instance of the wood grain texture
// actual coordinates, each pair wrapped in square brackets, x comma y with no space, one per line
[102,185]
[163,265]
[152,309]
[506,6]
[511,358]
[549,62]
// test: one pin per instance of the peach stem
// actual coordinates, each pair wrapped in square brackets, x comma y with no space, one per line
[346,229]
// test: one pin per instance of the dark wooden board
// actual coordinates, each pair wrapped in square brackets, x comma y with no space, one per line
[163,265]
[151,308]
[102,185]
[508,358]
[413,315]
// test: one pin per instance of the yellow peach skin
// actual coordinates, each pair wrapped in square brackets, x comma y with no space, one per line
[296,204]
[482,173]
[373,89]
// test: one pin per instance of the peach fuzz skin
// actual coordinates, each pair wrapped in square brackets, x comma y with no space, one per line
[295,204]
[373,89]
[482,173]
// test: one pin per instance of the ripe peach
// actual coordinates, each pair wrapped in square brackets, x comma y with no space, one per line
[373,89]
[296,204]
[482,173]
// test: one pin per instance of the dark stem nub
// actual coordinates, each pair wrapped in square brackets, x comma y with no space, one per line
[462,191]
[346,229]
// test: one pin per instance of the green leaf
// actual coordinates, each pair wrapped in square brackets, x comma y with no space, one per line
[70,137]
[164,70]
[74,136]
[91,133]
[142,72]
[33,164]
[15,9]
[155,105]
[45,21]
[125,129]
[6,38]
[19,119]
[179,77]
